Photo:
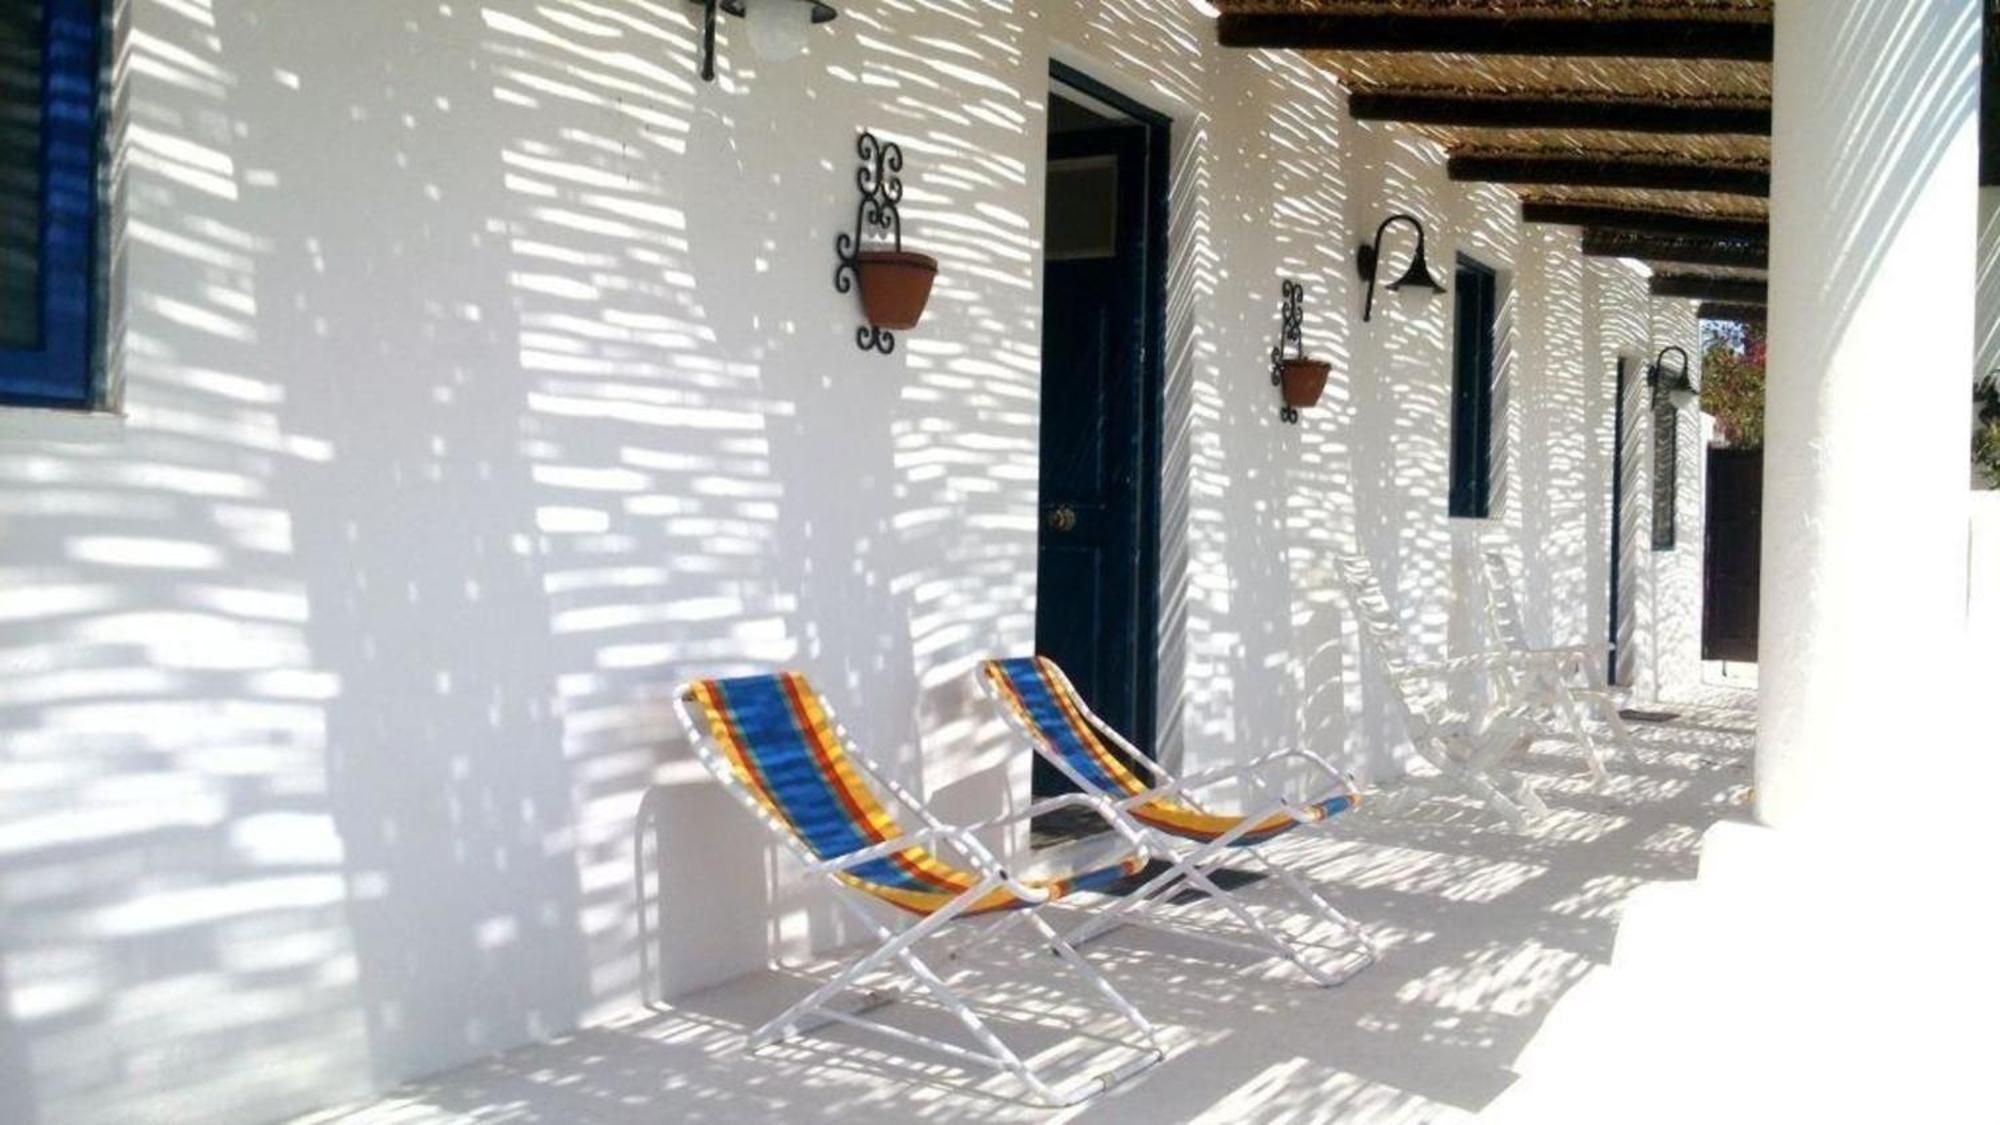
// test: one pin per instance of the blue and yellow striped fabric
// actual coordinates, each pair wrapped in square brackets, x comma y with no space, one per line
[779,740]
[1041,699]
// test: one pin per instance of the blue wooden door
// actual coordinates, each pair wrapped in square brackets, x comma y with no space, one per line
[1095,307]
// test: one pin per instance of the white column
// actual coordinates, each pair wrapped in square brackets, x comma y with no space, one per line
[1873,201]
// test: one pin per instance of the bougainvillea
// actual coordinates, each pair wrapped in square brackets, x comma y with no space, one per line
[1986,428]
[1732,381]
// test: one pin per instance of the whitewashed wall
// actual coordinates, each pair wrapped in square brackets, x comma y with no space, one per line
[1987,351]
[1669,642]
[484,378]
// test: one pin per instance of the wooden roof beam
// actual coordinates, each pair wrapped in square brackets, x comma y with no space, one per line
[1651,37]
[1741,314]
[1515,111]
[1694,251]
[1594,171]
[1711,287]
[1689,223]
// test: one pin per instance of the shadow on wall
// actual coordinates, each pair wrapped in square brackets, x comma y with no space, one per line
[1865,180]
[1401,435]
[1635,512]
[1309,132]
[334,687]
[726,485]
[1676,583]
[1556,421]
[1624,326]
[485,380]
[1987,350]
[173,880]
[16,1068]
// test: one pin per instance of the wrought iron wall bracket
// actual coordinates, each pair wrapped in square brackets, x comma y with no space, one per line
[1291,335]
[880,182]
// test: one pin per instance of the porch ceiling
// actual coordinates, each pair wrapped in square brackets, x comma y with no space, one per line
[1646,122]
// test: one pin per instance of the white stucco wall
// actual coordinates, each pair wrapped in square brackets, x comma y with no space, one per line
[1987,322]
[484,378]
[1669,641]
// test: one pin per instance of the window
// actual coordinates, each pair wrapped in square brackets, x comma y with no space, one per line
[1666,469]
[48,201]
[1472,391]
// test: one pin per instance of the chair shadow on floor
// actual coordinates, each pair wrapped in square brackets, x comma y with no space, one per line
[1482,929]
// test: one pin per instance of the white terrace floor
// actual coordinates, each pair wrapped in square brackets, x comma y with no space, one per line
[1483,931]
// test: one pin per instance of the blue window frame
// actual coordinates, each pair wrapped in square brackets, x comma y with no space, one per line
[49,69]
[1477,307]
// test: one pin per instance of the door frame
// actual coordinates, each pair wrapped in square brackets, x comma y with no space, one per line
[1716,500]
[1158,129]
[1617,525]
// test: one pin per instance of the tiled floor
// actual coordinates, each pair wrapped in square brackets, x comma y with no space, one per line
[1483,930]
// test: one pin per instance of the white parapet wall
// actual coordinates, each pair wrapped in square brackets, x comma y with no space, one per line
[483,378]
[1983,599]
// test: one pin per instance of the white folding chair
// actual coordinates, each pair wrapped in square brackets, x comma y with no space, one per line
[1471,749]
[775,746]
[1562,681]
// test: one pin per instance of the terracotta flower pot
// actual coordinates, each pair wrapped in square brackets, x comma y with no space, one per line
[1304,381]
[895,287]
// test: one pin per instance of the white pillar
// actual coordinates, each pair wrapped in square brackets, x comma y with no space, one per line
[1873,201]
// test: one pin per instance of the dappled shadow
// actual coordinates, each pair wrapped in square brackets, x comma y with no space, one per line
[1986,350]
[1484,930]
[485,379]
[1672,585]
[171,866]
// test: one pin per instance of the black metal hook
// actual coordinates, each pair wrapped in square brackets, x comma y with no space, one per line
[1682,382]
[1291,333]
[880,182]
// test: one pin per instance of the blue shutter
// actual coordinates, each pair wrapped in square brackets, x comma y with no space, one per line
[58,371]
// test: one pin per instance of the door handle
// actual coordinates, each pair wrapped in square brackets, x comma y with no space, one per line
[1062,517]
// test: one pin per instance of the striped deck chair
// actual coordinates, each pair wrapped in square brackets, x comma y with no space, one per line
[1564,679]
[1042,706]
[1471,750]
[775,745]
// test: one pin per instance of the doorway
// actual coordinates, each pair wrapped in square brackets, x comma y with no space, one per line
[1103,345]
[1732,553]
[1620,443]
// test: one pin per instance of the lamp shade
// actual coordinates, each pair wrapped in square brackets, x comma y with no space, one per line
[1418,276]
[778,28]
[1679,385]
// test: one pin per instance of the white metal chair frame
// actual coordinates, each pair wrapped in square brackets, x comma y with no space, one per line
[1473,753]
[1191,863]
[1560,680]
[821,1007]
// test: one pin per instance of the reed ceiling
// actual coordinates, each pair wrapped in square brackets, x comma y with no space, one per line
[1646,122]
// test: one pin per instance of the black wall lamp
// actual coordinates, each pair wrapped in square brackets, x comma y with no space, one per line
[1681,390]
[777,27]
[1369,258]
[1681,394]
